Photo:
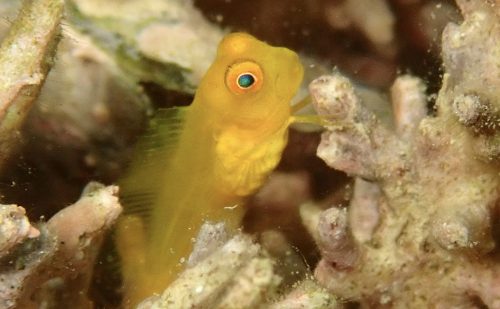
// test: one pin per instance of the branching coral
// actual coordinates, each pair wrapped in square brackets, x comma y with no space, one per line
[420,230]
[14,229]
[25,57]
[54,266]
[35,262]
[234,272]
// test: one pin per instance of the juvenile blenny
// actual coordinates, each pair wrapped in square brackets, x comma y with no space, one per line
[197,163]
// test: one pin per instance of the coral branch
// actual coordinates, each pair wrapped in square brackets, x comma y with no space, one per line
[355,139]
[84,222]
[464,226]
[364,209]
[61,259]
[335,241]
[409,104]
[424,226]
[307,295]
[474,112]
[473,81]
[14,228]
[210,238]
[25,59]
[342,151]
[252,285]
[235,273]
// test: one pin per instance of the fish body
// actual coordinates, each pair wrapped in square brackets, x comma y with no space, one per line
[197,163]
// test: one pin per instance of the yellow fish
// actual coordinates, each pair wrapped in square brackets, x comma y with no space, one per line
[197,163]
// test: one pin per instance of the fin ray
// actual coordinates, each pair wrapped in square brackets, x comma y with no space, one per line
[153,152]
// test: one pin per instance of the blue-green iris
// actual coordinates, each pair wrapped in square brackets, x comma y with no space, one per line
[246,80]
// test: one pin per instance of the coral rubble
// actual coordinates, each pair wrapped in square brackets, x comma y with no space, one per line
[419,232]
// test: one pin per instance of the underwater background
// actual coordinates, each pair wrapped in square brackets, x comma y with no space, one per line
[393,202]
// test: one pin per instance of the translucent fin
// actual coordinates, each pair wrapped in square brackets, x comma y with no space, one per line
[131,246]
[301,104]
[153,153]
[309,119]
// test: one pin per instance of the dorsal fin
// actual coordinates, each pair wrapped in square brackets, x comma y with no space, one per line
[152,155]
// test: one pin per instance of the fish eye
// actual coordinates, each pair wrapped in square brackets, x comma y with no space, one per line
[244,77]
[246,80]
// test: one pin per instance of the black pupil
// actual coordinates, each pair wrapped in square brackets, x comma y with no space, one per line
[246,80]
